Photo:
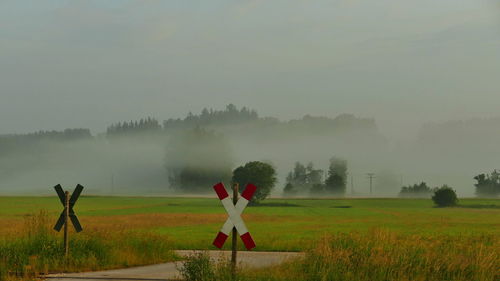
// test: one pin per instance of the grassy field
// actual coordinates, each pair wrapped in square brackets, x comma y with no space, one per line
[279,224]
[276,225]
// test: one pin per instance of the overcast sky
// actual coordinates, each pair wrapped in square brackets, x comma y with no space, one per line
[91,63]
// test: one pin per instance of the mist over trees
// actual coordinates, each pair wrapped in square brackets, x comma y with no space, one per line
[130,157]
[336,181]
[196,159]
[488,185]
[27,160]
[306,180]
[461,133]
[302,179]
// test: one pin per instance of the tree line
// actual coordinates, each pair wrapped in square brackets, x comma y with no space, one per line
[234,117]
[306,180]
[11,144]
[487,185]
[207,118]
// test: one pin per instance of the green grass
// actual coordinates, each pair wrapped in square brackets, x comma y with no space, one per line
[292,228]
[280,224]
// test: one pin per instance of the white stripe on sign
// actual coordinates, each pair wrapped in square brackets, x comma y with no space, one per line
[234,216]
[228,225]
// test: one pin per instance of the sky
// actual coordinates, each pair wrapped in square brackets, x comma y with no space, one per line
[92,63]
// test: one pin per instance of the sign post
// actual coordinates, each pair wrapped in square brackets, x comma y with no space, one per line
[234,246]
[66,219]
[68,214]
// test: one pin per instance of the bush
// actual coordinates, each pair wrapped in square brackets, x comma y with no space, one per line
[445,197]
[417,191]
[200,267]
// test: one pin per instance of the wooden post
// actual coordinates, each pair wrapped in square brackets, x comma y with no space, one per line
[235,235]
[66,223]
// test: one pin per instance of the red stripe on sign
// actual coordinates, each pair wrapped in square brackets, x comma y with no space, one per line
[249,191]
[248,241]
[221,191]
[220,240]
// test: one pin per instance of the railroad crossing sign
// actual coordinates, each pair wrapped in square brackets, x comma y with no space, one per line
[68,204]
[234,211]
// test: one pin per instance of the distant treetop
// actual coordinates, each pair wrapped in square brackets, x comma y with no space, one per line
[65,135]
[147,125]
[231,115]
[207,117]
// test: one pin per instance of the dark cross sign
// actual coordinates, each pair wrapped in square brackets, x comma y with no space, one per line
[72,200]
[234,211]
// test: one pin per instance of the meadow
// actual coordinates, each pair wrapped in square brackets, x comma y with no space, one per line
[327,227]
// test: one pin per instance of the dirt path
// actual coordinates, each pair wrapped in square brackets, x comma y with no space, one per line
[168,271]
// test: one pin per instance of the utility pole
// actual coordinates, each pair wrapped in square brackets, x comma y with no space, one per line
[371,176]
[352,185]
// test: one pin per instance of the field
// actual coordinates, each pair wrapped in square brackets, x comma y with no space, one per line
[279,224]
[276,225]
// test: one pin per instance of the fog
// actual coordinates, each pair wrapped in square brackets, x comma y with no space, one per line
[136,162]
[419,77]
[130,167]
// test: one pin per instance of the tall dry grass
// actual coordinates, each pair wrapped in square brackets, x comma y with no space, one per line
[385,256]
[36,249]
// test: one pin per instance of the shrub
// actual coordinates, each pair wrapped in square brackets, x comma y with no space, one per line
[445,197]
[417,190]
[200,267]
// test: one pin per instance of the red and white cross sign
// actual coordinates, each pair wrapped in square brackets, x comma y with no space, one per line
[234,212]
